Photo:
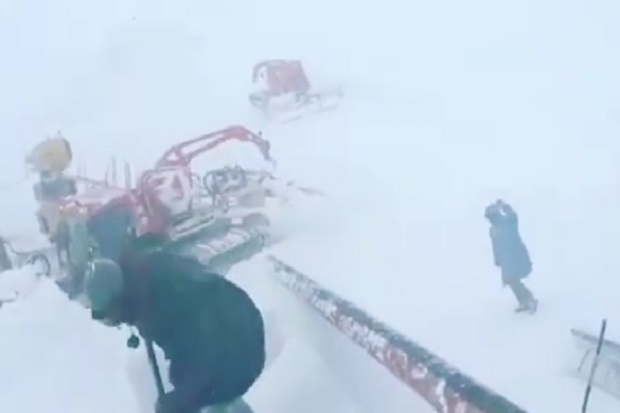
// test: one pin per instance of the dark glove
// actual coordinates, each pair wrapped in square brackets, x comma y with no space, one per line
[171,402]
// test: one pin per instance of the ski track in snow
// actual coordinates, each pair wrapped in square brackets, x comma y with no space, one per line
[516,101]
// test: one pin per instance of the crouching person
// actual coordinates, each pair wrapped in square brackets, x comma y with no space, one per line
[209,329]
[510,253]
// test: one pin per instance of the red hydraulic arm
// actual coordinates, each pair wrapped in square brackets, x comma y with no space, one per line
[183,153]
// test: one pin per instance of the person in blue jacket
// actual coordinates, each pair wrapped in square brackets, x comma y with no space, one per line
[510,253]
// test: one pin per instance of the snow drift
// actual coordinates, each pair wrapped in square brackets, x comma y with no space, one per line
[422,374]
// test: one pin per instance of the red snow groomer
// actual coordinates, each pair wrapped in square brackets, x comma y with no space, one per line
[214,214]
[282,91]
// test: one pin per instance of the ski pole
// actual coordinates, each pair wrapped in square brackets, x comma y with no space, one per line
[150,351]
[599,345]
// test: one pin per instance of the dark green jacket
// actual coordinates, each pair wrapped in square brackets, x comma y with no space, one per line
[208,327]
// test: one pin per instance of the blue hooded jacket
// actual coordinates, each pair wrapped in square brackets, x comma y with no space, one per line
[509,250]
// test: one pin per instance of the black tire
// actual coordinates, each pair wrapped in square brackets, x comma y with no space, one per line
[41,260]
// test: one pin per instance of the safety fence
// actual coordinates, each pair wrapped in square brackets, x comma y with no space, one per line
[606,375]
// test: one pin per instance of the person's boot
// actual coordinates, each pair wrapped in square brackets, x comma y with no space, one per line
[525,298]
[519,295]
[531,301]
[530,306]
[522,308]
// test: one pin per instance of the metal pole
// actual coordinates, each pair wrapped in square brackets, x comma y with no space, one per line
[599,345]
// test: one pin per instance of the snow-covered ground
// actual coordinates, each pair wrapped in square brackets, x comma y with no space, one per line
[449,106]
[54,358]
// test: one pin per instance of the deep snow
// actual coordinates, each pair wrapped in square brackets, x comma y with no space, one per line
[449,106]
[55,358]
